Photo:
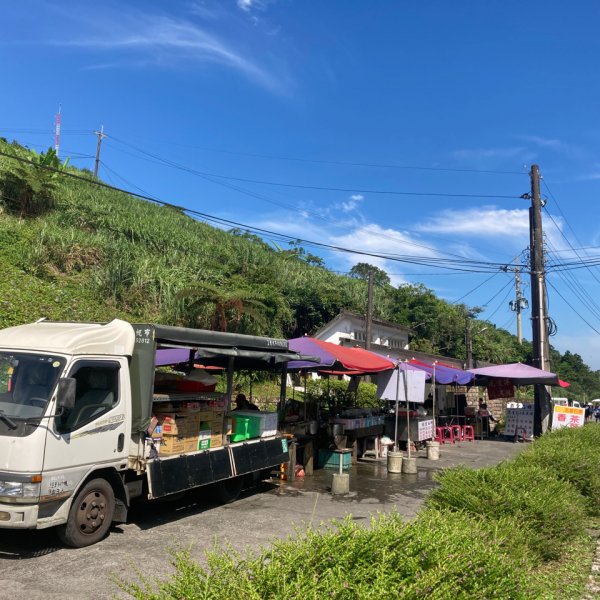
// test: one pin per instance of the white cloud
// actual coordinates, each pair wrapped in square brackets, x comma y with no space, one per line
[143,38]
[554,144]
[369,238]
[352,203]
[487,221]
[249,5]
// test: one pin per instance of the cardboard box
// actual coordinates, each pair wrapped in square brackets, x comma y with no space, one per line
[171,423]
[216,441]
[203,439]
[172,444]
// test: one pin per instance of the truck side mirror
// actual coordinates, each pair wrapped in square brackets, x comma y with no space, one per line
[65,397]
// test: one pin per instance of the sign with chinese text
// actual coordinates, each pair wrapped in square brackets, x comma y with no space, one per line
[519,422]
[567,416]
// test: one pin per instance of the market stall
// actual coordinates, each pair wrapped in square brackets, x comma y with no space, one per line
[340,424]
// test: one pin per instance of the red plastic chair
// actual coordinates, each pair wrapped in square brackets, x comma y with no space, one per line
[457,432]
[468,433]
[439,435]
[448,435]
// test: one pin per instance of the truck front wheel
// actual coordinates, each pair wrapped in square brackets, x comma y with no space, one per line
[90,516]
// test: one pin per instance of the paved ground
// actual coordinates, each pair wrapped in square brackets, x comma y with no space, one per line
[34,565]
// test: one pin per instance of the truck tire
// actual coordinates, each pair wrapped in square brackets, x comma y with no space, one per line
[228,490]
[90,516]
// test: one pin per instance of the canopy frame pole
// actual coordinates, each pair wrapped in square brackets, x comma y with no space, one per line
[407,414]
[397,403]
[433,385]
[230,363]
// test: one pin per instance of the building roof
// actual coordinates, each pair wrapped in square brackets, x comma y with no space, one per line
[346,314]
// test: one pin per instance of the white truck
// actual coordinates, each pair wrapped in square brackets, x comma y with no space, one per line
[76,400]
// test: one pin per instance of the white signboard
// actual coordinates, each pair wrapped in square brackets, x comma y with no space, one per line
[411,383]
[519,422]
[425,431]
[567,416]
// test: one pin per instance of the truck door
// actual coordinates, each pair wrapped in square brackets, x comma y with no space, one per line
[95,431]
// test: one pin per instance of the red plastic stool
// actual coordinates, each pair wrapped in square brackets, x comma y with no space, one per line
[439,435]
[457,432]
[448,434]
[468,433]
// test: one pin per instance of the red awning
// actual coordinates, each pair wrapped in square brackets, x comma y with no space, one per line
[338,358]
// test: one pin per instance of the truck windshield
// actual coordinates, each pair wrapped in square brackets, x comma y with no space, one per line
[26,383]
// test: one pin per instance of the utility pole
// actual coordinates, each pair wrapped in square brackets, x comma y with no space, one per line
[468,342]
[101,135]
[539,317]
[369,319]
[519,302]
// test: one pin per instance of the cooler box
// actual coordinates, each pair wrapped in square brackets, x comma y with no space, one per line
[259,423]
[240,428]
[331,460]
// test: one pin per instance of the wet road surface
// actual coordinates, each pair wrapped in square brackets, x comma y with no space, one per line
[34,565]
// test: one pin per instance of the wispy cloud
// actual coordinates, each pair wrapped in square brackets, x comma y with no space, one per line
[249,5]
[486,221]
[138,39]
[351,204]
[556,145]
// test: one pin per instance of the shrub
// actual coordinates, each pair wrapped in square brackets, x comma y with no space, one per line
[573,455]
[540,510]
[391,559]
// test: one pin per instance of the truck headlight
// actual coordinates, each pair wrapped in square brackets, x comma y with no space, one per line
[19,490]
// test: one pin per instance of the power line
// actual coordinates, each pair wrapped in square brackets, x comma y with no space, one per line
[502,302]
[309,187]
[298,159]
[572,307]
[157,160]
[444,263]
[475,288]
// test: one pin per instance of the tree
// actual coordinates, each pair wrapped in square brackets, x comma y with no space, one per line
[361,271]
[29,188]
[235,305]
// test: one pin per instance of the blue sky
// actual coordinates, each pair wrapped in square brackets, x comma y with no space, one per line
[335,100]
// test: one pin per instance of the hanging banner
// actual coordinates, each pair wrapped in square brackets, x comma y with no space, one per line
[500,388]
[388,388]
[567,416]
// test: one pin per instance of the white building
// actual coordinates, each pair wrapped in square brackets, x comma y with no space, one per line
[348,329]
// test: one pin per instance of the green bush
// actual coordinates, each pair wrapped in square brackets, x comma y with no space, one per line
[334,394]
[540,510]
[391,559]
[573,455]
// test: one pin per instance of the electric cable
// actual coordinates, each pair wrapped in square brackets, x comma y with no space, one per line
[310,187]
[443,264]
[573,308]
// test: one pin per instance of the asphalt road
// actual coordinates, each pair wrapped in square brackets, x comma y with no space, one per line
[34,564]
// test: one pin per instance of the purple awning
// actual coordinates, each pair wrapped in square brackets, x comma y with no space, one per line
[518,373]
[444,374]
[172,356]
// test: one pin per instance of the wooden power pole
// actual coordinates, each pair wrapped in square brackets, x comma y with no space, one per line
[539,317]
[101,135]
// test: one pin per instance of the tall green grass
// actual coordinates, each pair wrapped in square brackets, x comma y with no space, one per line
[514,531]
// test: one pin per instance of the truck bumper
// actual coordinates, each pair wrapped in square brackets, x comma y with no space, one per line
[18,516]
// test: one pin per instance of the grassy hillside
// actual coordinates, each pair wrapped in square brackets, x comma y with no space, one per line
[73,250]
